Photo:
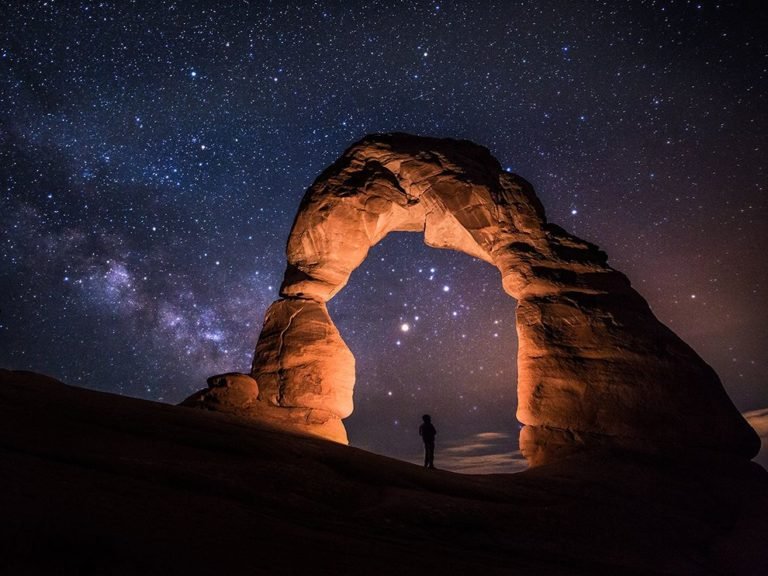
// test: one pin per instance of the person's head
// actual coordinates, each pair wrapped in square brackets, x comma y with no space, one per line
[426,418]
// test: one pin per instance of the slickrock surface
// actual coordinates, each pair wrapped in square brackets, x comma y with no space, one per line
[93,483]
[596,369]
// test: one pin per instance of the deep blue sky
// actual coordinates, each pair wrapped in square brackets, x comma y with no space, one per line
[153,154]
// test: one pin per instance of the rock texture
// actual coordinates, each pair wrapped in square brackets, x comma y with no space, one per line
[238,394]
[96,483]
[596,368]
[301,359]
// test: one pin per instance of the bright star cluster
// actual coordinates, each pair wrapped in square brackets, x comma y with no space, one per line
[153,155]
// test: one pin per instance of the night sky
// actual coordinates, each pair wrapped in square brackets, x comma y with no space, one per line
[153,155]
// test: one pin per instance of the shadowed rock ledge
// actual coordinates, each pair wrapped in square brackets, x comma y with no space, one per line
[95,483]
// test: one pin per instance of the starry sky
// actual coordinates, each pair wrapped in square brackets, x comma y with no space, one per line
[153,155]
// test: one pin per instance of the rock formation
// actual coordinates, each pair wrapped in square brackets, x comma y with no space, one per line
[596,369]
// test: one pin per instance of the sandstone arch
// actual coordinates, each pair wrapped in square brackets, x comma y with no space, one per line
[595,366]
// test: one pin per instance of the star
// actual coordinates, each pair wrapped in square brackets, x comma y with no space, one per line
[161,184]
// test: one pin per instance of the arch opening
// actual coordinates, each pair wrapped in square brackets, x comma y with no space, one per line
[596,369]
[455,359]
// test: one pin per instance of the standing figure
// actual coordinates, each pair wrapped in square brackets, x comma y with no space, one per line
[427,433]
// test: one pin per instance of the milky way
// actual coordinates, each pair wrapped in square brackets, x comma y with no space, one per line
[153,155]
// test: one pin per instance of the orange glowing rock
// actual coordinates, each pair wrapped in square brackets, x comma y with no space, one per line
[301,360]
[238,394]
[595,367]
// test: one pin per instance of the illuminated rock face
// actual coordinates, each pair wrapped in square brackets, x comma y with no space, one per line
[596,369]
[301,360]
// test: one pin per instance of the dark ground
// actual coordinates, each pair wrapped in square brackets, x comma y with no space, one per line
[93,483]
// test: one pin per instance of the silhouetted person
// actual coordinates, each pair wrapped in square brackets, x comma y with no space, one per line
[427,433]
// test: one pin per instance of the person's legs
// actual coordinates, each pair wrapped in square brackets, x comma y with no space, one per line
[429,454]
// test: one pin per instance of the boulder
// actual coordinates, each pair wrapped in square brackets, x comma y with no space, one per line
[238,394]
[231,392]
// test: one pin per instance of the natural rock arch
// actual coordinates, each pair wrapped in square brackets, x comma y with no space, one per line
[595,367]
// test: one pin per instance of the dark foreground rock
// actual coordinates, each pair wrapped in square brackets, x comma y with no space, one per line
[93,483]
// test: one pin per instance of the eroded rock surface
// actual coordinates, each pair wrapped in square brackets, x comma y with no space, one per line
[301,360]
[595,367]
[238,394]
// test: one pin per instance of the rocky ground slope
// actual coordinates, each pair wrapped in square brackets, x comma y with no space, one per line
[93,483]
